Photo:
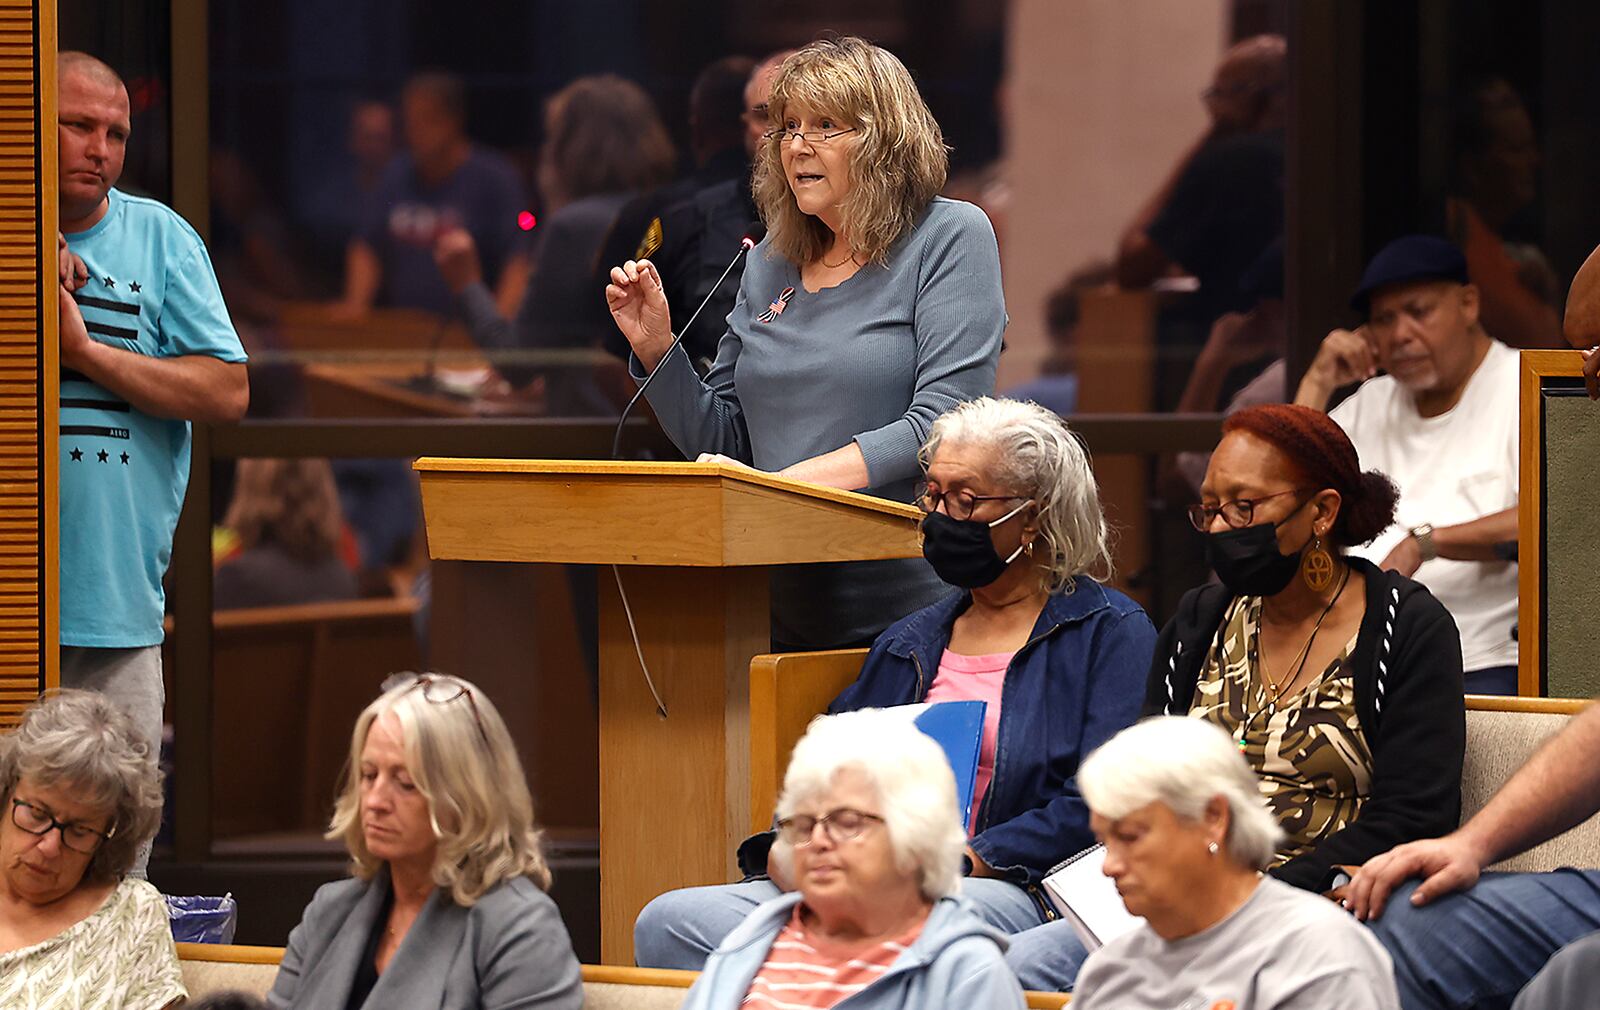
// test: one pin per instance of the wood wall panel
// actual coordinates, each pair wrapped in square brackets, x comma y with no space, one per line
[29,375]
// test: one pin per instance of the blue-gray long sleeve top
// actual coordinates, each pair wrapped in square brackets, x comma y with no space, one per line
[873,360]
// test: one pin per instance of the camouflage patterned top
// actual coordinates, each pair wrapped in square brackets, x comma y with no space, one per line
[1308,750]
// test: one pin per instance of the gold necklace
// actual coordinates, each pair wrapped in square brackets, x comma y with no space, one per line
[1279,689]
[835,266]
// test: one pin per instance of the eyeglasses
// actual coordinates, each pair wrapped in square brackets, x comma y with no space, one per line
[439,691]
[816,138]
[80,838]
[842,825]
[1237,513]
[957,504]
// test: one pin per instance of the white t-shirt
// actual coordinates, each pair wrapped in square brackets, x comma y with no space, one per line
[1450,469]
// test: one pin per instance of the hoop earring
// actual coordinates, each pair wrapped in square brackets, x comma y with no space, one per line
[1316,568]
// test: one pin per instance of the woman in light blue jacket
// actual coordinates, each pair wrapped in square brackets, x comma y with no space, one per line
[869,833]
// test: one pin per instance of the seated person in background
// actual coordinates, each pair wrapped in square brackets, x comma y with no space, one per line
[1444,425]
[1240,343]
[603,142]
[1480,947]
[1056,386]
[82,794]
[288,537]
[443,181]
[1014,521]
[447,909]
[1223,201]
[1186,837]
[1340,683]
[869,832]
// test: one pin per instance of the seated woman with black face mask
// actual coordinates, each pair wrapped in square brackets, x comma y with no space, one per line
[1013,521]
[1339,682]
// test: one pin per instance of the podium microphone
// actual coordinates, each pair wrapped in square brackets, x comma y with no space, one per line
[751,238]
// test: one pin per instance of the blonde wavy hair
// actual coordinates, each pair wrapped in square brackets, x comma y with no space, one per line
[477,795]
[898,160]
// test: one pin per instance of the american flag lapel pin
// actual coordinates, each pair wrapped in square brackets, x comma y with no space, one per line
[776,308]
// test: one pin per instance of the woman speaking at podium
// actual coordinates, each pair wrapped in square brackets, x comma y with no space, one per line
[872,307]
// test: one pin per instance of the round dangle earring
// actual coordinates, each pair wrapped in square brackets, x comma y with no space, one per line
[1316,568]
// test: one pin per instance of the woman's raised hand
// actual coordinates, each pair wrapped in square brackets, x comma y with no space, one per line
[639,305]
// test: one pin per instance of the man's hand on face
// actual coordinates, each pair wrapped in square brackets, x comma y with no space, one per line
[74,274]
[1345,356]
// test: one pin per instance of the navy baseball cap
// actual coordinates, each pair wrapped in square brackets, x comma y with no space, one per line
[1411,258]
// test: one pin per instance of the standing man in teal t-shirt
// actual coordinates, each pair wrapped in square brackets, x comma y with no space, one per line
[146,348]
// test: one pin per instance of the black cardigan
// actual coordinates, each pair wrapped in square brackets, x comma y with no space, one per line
[1408,695]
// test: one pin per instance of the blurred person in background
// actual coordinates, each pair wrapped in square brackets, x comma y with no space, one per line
[1495,179]
[693,240]
[442,182]
[603,144]
[1222,203]
[287,539]
[334,209]
[1056,387]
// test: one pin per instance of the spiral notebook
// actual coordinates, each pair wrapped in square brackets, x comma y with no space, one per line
[1088,899]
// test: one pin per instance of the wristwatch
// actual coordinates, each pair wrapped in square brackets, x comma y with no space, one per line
[1423,535]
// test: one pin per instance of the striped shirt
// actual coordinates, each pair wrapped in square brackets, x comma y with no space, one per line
[799,976]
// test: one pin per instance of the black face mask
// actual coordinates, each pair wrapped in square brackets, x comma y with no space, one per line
[961,551]
[1248,560]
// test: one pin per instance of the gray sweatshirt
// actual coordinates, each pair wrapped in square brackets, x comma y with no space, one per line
[873,360]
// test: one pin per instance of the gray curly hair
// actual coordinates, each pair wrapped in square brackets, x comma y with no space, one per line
[1035,455]
[80,740]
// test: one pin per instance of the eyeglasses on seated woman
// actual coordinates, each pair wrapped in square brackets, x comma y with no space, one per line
[81,794]
[869,832]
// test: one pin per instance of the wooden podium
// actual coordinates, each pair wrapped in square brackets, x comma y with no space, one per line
[691,542]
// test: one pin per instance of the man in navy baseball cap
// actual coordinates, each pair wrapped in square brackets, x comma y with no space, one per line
[1443,424]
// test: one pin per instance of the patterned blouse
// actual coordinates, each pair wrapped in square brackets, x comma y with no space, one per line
[1307,750]
[120,957]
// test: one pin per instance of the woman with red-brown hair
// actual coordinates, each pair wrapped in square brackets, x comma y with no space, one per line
[1339,682]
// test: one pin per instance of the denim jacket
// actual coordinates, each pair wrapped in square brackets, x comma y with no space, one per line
[1078,680]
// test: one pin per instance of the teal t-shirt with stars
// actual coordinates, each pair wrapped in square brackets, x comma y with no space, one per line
[123,472]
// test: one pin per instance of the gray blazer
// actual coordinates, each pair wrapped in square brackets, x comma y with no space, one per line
[510,950]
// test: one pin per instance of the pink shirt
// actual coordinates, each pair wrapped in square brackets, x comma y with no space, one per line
[798,975]
[975,678]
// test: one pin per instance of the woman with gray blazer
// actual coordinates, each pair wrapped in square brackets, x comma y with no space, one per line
[447,908]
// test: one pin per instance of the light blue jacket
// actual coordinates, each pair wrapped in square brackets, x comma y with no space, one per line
[956,962]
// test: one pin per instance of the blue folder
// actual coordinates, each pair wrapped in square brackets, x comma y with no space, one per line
[957,726]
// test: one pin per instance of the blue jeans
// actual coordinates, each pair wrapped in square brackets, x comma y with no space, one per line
[1479,948]
[1491,680]
[1047,957]
[681,928]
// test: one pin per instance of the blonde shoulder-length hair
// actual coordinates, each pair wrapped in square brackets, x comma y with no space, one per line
[898,161]
[461,757]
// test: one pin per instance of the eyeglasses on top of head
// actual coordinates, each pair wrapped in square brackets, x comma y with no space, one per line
[438,691]
[35,820]
[814,137]
[958,504]
[842,825]
[1237,513]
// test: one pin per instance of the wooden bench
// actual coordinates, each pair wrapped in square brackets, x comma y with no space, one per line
[209,969]
[287,685]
